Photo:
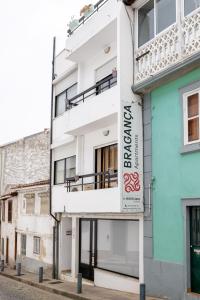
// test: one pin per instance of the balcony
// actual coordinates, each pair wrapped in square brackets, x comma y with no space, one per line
[92,109]
[97,30]
[87,199]
[95,181]
[174,46]
[84,19]
[95,90]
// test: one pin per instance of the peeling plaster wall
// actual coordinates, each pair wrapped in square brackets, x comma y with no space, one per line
[25,161]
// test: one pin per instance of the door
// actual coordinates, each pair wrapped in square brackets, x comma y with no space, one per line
[7,250]
[88,246]
[195,248]
[106,160]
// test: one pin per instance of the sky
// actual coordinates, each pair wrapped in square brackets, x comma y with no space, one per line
[27,28]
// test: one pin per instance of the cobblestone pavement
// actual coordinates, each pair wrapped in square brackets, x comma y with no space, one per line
[14,290]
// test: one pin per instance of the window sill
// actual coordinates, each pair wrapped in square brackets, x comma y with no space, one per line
[190,148]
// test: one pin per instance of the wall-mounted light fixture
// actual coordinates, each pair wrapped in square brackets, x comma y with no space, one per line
[106,132]
[107,49]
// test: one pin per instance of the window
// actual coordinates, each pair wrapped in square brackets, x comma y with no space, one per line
[44,203]
[107,160]
[153,17]
[10,211]
[3,211]
[70,167]
[190,5]
[70,93]
[30,203]
[64,168]
[36,245]
[23,244]
[118,246]
[191,117]
[2,246]
[59,171]
[62,100]
[60,104]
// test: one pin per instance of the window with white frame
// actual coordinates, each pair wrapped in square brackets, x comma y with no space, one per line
[44,203]
[190,5]
[36,245]
[191,108]
[30,203]
[153,17]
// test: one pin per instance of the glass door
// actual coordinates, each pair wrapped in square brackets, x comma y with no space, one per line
[106,160]
[87,253]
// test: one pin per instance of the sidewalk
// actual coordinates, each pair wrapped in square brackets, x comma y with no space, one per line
[68,289]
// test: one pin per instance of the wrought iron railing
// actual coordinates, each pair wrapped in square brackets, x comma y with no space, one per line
[92,91]
[100,180]
[83,19]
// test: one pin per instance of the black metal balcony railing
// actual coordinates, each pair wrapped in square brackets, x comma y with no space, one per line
[96,89]
[83,19]
[95,181]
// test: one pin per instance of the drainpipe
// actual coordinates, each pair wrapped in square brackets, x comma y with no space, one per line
[56,227]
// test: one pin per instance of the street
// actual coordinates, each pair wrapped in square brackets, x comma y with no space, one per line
[14,290]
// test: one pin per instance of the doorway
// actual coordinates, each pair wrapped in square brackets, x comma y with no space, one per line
[195,248]
[7,250]
[15,246]
[88,247]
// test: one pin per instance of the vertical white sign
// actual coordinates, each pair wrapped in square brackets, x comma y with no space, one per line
[131,157]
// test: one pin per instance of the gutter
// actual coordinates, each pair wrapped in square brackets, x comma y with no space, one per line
[56,227]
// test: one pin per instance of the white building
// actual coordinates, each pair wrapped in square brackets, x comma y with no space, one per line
[34,226]
[26,227]
[97,177]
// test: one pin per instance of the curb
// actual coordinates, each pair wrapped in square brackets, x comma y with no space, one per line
[46,288]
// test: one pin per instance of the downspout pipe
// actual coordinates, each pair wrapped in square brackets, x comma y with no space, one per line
[56,227]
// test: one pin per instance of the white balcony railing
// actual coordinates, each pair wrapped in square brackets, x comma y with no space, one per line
[175,44]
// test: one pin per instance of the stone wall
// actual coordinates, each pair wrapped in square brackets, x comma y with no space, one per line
[25,161]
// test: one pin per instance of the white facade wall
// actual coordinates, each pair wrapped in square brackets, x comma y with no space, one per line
[105,200]
[81,130]
[91,28]
[36,224]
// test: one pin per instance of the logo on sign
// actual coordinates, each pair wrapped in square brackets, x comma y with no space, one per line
[131,182]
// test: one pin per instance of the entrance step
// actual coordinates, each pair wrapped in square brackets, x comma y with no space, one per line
[66,276]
